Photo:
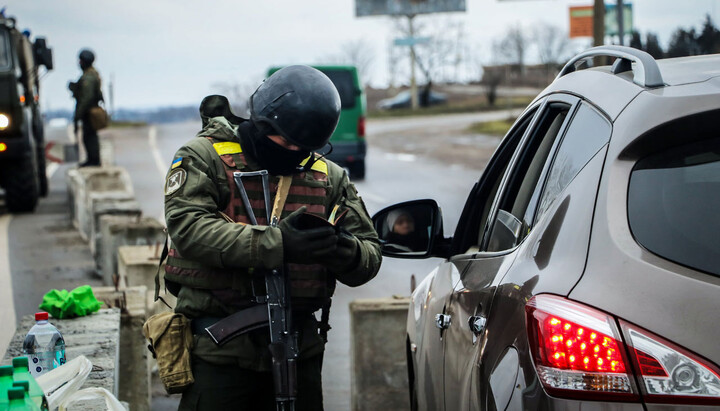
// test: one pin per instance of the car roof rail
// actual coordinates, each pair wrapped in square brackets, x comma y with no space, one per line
[646,72]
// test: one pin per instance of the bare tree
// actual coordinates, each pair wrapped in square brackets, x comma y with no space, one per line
[552,44]
[359,53]
[512,48]
[238,93]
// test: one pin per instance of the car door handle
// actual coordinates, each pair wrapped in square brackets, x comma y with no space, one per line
[442,321]
[477,324]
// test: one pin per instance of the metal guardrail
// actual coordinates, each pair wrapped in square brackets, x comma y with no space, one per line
[646,72]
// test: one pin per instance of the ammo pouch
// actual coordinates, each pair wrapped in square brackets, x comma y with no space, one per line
[170,342]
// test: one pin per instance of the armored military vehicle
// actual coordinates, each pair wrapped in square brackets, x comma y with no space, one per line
[22,144]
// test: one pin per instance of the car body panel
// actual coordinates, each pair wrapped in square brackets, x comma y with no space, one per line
[580,247]
[655,296]
[611,94]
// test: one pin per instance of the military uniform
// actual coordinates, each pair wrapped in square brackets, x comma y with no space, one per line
[87,94]
[213,264]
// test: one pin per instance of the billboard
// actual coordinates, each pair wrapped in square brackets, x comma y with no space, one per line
[406,7]
[581,20]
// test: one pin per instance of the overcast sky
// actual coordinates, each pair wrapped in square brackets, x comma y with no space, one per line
[172,52]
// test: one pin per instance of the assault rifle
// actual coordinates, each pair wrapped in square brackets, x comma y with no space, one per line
[283,339]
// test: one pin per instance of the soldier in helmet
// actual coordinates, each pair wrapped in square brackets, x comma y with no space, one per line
[217,252]
[87,94]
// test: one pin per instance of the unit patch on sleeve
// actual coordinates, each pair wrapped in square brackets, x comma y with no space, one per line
[175,180]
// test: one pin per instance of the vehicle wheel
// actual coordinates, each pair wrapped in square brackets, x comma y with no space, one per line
[357,170]
[21,185]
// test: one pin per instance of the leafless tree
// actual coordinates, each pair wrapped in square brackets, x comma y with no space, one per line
[238,93]
[552,45]
[512,48]
[358,53]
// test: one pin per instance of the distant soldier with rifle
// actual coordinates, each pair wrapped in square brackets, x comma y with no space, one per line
[87,94]
[261,229]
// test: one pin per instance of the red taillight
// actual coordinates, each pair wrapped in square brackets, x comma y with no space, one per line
[579,353]
[577,350]
[670,373]
[361,127]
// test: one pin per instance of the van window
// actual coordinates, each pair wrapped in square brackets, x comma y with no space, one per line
[673,203]
[343,80]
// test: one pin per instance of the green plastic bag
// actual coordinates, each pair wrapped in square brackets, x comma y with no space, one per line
[76,303]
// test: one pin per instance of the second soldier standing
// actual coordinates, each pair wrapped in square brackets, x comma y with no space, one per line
[217,255]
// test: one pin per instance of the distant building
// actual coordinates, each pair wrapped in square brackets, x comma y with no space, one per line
[513,75]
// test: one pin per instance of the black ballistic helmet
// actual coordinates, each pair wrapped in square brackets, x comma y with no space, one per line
[87,56]
[299,103]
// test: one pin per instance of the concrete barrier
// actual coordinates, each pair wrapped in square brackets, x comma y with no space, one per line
[95,336]
[116,231]
[109,203]
[95,180]
[379,378]
[134,358]
[137,266]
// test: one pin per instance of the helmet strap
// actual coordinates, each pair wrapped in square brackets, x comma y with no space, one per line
[312,159]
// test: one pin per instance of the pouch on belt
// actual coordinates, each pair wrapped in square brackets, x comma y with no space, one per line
[171,341]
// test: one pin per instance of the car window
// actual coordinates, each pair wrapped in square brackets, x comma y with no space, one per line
[512,222]
[673,203]
[474,219]
[587,133]
[343,80]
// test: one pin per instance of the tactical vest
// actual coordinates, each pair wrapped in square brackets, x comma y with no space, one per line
[311,286]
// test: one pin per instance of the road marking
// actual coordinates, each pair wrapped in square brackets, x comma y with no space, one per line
[7,305]
[159,163]
[161,166]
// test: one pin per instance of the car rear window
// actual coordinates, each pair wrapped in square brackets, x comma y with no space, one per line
[674,203]
[343,80]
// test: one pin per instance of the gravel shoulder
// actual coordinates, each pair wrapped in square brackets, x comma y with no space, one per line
[438,138]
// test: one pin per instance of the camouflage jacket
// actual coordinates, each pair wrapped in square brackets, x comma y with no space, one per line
[87,92]
[200,233]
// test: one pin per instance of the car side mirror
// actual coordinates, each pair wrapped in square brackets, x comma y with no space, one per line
[412,229]
[43,54]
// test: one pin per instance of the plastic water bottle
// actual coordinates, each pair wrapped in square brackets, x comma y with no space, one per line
[44,346]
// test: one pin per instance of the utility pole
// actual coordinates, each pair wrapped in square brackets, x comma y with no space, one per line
[111,94]
[621,21]
[413,82]
[599,23]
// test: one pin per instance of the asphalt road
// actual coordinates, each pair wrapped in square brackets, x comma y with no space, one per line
[44,251]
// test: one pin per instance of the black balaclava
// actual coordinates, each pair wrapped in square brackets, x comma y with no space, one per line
[276,159]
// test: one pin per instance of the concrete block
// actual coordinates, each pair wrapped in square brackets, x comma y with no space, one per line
[95,336]
[95,180]
[73,179]
[135,359]
[108,203]
[137,265]
[111,203]
[116,231]
[379,372]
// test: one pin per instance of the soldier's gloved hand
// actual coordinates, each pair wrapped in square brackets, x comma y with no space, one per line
[305,246]
[345,257]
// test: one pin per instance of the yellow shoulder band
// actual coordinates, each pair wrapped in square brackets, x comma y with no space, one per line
[227,147]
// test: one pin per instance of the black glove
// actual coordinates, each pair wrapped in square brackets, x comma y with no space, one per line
[345,257]
[305,246]
[75,126]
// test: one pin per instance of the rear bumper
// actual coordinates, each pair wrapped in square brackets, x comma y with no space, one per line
[345,154]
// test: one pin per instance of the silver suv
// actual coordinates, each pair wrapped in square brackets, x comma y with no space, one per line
[585,269]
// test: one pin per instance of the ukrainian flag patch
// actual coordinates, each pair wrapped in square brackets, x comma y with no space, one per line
[176,163]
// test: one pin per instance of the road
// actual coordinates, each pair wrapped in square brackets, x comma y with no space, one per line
[42,251]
